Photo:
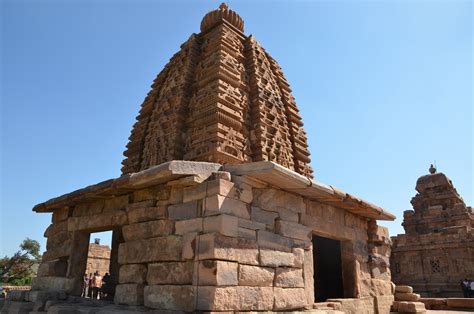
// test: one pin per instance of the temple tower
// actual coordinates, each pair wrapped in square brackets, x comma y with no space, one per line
[437,249]
[222,98]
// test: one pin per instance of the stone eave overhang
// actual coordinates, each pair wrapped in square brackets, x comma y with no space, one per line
[265,171]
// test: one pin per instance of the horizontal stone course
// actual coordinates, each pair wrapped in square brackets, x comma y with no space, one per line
[167,248]
[219,204]
[170,273]
[274,258]
[230,298]
[216,246]
[256,276]
[98,222]
[188,226]
[142,214]
[170,297]
[182,211]
[129,294]
[132,273]
[289,277]
[289,299]
[223,224]
[149,229]
[293,230]
[217,273]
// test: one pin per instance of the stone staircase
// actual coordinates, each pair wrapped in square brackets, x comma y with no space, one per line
[406,301]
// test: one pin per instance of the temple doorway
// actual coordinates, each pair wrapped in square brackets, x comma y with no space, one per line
[327,269]
[96,252]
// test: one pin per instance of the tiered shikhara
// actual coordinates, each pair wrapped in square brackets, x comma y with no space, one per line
[222,98]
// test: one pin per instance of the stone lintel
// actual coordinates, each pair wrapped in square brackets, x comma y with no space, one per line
[266,171]
[288,180]
[165,172]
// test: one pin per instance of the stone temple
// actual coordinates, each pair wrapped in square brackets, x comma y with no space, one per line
[217,208]
[437,250]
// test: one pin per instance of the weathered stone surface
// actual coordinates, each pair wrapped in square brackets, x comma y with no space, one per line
[55,228]
[217,273]
[270,240]
[182,211]
[167,248]
[129,294]
[59,251]
[17,307]
[154,193]
[189,246]
[381,287]
[223,224]
[219,204]
[149,229]
[465,303]
[275,200]
[197,192]
[383,303]
[56,283]
[216,246]
[263,216]
[88,208]
[238,191]
[170,273]
[256,276]
[247,234]
[52,268]
[273,258]
[289,277]
[299,257]
[132,273]
[141,204]
[93,223]
[17,295]
[116,203]
[293,230]
[189,225]
[403,289]
[252,225]
[289,299]
[169,297]
[141,214]
[411,307]
[406,296]
[235,298]
[308,273]
[60,214]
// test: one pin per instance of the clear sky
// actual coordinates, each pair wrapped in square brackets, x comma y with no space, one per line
[384,87]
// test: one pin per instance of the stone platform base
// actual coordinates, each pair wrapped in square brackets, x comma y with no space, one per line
[86,306]
[456,304]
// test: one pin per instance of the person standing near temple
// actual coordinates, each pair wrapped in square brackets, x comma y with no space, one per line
[96,285]
[85,286]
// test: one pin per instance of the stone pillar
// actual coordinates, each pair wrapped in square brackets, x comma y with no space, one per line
[78,260]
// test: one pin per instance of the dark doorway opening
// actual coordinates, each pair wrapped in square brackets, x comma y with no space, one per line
[327,269]
[96,251]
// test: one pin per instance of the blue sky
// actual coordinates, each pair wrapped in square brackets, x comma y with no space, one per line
[384,88]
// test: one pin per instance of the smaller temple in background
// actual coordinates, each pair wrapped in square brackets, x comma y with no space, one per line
[437,250]
[98,258]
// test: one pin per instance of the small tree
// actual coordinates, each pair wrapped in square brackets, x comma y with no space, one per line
[21,267]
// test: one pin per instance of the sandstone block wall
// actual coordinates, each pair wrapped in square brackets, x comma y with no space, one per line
[218,245]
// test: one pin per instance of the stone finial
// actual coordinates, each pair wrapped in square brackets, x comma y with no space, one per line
[222,13]
[432,169]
